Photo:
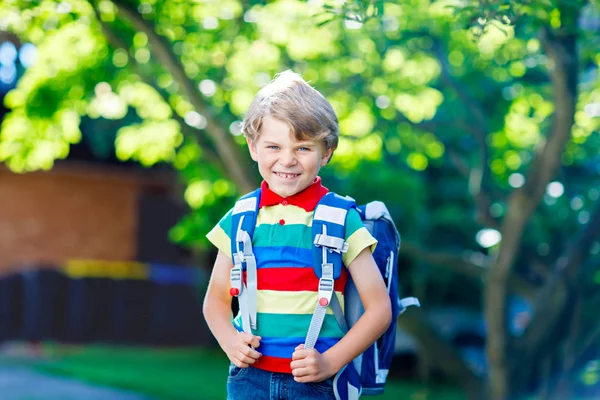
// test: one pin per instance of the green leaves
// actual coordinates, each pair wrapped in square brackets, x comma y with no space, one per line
[50,97]
[149,143]
[29,144]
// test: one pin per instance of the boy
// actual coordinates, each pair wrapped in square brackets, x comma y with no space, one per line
[292,131]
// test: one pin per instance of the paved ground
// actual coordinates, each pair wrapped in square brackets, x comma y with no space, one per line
[18,382]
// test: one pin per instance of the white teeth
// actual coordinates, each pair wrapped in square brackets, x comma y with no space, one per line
[287,176]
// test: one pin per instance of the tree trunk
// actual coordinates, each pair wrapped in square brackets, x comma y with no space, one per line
[560,46]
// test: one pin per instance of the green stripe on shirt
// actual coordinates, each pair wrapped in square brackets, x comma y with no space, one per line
[294,325]
[299,236]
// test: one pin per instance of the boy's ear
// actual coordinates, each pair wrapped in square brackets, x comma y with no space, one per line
[252,148]
[327,156]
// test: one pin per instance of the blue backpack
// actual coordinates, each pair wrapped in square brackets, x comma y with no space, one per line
[367,373]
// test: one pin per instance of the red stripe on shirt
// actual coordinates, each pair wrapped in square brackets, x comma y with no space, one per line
[274,364]
[294,279]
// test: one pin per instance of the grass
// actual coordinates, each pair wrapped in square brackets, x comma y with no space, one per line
[181,374]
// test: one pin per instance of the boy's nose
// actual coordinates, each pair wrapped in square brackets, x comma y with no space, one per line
[287,159]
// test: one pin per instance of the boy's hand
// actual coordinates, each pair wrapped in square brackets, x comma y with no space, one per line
[308,365]
[240,351]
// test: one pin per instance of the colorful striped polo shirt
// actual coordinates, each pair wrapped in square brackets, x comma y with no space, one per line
[287,285]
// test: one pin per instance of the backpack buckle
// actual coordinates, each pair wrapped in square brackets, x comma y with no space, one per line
[332,243]
[325,291]
[235,279]
[326,283]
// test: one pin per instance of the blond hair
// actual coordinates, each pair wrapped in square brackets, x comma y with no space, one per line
[290,99]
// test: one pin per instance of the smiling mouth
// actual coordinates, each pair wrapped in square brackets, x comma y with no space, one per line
[286,176]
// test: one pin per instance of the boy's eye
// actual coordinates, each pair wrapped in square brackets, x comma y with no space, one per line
[304,149]
[273,147]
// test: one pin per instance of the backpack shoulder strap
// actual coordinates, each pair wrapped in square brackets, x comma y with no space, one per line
[328,231]
[243,221]
[243,218]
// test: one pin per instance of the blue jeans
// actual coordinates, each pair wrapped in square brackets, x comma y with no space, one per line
[253,383]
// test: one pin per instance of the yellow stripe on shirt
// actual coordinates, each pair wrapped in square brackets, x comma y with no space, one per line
[220,240]
[283,302]
[357,242]
[291,214]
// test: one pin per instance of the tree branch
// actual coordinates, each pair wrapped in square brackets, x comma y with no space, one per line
[468,263]
[480,197]
[480,176]
[523,201]
[228,150]
[471,264]
[117,43]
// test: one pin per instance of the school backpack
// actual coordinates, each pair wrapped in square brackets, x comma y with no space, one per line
[367,373]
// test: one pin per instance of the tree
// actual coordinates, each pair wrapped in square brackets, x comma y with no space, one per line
[476,121]
[557,28]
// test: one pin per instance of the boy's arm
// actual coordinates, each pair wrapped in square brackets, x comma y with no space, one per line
[217,312]
[310,366]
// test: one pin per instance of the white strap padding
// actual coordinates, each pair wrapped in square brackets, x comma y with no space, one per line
[330,214]
[244,205]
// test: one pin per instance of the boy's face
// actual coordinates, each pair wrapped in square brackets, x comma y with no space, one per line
[287,165]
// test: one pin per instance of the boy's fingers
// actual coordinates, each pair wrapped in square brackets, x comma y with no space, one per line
[246,337]
[300,346]
[294,365]
[299,354]
[246,360]
[255,342]
[303,375]
[250,352]
[240,364]
[250,340]
[298,372]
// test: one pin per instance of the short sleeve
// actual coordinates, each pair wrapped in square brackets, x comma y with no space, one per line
[219,235]
[357,237]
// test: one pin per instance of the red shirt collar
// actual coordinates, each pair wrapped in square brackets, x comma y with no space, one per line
[306,199]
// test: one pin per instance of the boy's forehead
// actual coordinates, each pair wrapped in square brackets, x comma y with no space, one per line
[287,138]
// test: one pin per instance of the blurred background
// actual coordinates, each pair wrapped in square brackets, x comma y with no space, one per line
[477,123]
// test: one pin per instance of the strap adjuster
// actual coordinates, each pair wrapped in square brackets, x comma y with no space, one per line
[325,291]
[331,243]
[235,279]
